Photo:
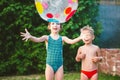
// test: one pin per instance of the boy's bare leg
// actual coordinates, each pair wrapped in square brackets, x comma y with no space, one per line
[59,74]
[49,73]
[83,77]
[95,77]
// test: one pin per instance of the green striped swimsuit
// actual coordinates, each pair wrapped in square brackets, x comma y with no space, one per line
[54,53]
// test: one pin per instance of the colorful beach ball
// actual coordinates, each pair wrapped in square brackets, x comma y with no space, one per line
[56,10]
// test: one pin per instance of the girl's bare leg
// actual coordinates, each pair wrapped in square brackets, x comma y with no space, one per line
[59,74]
[49,73]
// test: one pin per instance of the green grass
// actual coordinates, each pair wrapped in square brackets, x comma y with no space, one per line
[67,76]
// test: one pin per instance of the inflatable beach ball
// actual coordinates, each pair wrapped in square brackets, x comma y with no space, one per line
[56,10]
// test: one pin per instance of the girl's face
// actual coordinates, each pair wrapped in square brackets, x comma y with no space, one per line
[87,37]
[54,27]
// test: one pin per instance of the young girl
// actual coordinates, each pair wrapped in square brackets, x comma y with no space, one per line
[89,54]
[54,46]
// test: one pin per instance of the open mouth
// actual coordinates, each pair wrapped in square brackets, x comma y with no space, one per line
[54,28]
[86,40]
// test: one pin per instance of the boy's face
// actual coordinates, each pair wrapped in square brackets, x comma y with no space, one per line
[54,27]
[87,36]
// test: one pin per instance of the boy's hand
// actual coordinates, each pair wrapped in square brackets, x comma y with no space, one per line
[25,35]
[82,56]
[95,59]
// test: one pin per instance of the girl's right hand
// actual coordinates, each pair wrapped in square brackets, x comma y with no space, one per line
[25,35]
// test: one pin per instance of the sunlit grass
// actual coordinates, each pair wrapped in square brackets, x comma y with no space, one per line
[67,76]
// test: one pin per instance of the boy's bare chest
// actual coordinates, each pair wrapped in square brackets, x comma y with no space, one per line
[89,52]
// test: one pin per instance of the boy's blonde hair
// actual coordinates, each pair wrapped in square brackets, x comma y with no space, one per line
[88,28]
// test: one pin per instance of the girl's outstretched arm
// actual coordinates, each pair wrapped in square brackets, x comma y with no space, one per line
[27,36]
[71,41]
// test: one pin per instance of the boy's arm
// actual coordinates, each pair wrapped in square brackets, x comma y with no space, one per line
[71,41]
[77,58]
[27,36]
[99,56]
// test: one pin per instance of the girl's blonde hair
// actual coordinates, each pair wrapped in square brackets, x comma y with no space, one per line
[88,28]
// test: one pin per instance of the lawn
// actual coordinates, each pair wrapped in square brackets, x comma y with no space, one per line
[67,76]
